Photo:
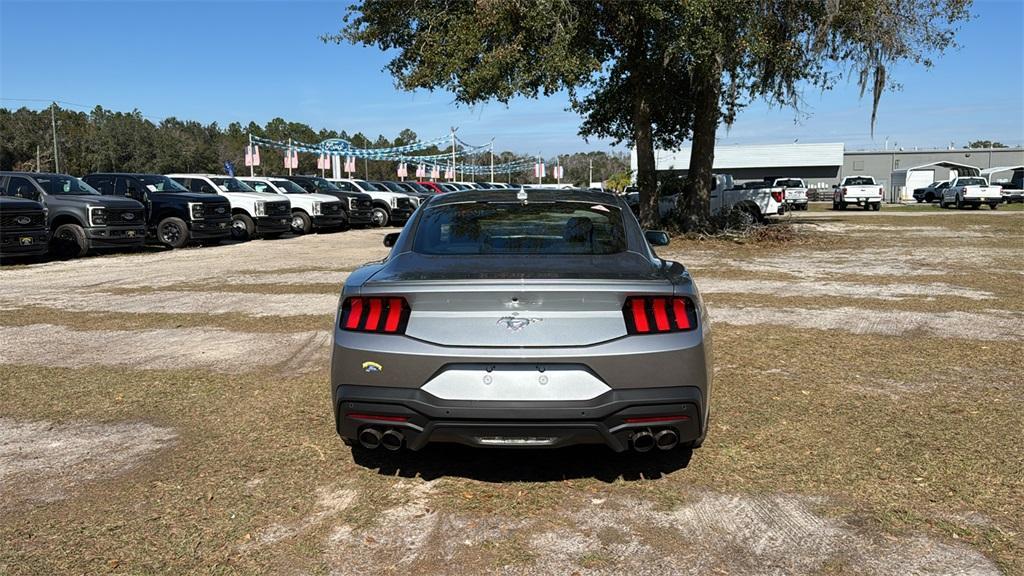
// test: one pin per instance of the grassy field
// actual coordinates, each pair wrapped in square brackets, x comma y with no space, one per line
[169,413]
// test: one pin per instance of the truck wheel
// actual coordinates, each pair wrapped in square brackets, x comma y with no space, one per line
[242,227]
[876,206]
[929,197]
[867,205]
[379,217]
[842,205]
[301,224]
[993,205]
[835,204]
[172,232]
[69,241]
[959,203]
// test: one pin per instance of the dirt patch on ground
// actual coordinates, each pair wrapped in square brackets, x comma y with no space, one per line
[174,302]
[207,348]
[46,462]
[964,325]
[840,289]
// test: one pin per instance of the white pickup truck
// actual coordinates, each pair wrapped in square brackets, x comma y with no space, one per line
[388,207]
[309,211]
[794,192]
[859,190]
[971,191]
[252,213]
[759,202]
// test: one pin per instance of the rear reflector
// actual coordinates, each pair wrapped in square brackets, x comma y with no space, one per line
[381,417]
[652,419]
[382,315]
[659,314]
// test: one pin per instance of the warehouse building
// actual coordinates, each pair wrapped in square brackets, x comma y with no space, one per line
[824,165]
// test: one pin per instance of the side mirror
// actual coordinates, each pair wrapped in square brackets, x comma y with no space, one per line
[657,237]
[391,238]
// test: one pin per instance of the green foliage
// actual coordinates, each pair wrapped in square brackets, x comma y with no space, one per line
[985,144]
[618,181]
[103,140]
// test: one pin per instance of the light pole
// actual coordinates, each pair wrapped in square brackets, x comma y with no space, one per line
[53,122]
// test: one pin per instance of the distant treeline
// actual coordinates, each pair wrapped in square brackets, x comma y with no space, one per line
[103,140]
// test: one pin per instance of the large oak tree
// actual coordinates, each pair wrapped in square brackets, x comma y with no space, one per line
[652,73]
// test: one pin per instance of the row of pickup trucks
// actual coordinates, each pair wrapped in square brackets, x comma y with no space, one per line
[42,212]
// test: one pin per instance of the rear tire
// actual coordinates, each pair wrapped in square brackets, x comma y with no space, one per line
[69,241]
[301,223]
[876,206]
[959,203]
[994,205]
[242,227]
[172,232]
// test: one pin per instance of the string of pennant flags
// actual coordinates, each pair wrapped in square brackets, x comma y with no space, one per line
[339,155]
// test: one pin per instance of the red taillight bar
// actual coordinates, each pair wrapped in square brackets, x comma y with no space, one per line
[652,419]
[378,417]
[659,314]
[382,315]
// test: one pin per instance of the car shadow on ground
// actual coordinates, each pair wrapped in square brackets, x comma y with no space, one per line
[511,465]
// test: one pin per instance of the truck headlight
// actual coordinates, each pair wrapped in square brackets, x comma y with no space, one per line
[394,201]
[316,208]
[196,210]
[97,216]
[261,208]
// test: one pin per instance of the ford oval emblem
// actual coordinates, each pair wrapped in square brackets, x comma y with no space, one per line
[23,220]
[129,216]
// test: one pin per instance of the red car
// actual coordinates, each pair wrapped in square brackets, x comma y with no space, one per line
[432,186]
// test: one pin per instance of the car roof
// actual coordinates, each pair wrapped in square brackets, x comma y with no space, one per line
[13,173]
[535,194]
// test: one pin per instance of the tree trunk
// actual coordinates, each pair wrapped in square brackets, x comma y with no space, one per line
[706,94]
[646,180]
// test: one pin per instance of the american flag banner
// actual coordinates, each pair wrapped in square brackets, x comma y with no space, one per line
[350,164]
[403,171]
[435,172]
[449,174]
[248,155]
[255,155]
[421,171]
[323,162]
[559,172]
[291,159]
[538,170]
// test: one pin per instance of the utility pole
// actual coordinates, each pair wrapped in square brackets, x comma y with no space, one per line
[252,169]
[366,168]
[591,172]
[53,122]
[38,169]
[453,152]
[492,159]
[289,153]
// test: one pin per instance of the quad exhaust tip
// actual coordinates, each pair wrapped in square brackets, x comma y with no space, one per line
[667,439]
[392,439]
[369,438]
[643,441]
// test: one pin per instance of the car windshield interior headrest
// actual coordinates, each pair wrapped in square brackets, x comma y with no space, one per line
[578,229]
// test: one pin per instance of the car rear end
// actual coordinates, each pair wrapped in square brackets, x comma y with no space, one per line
[982,194]
[521,350]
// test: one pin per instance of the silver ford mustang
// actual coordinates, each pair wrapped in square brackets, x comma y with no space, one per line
[537,318]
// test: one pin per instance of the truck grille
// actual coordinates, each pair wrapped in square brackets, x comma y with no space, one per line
[331,208]
[277,209]
[405,203]
[126,217]
[216,211]
[360,203]
[22,220]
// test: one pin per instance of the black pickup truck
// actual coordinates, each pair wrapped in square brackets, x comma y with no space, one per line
[23,230]
[358,207]
[79,218]
[174,215]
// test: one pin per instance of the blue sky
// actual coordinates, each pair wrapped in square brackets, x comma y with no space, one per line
[254,60]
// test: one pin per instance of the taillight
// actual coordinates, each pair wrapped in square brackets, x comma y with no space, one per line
[386,315]
[659,314]
[777,195]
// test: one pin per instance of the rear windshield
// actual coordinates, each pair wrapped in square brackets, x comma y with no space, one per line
[790,183]
[971,182]
[860,182]
[512,228]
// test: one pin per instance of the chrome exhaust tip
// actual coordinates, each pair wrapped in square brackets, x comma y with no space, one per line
[369,438]
[392,439]
[667,439]
[643,441]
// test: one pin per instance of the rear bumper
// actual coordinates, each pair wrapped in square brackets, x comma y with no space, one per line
[983,199]
[116,236]
[523,424]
